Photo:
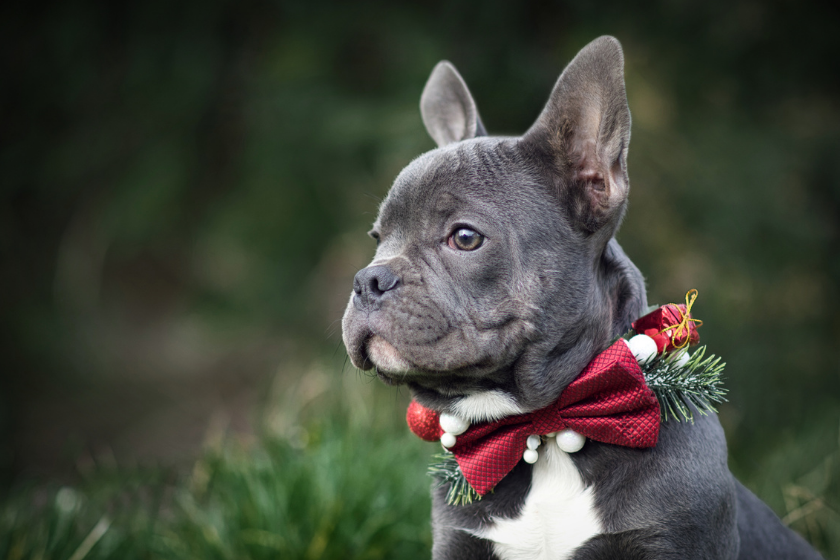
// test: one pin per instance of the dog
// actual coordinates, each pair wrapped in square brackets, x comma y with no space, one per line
[496,280]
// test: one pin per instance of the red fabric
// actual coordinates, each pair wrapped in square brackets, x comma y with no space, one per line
[608,402]
[653,324]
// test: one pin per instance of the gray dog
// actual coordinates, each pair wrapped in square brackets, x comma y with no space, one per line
[496,280]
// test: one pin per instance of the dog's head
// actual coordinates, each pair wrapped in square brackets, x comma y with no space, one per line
[496,277]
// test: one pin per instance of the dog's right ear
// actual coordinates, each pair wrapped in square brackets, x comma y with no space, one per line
[448,109]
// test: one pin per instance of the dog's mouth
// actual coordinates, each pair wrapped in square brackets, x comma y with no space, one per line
[391,367]
[385,356]
[455,362]
[369,350]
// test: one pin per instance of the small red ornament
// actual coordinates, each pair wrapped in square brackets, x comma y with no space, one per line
[424,422]
[671,326]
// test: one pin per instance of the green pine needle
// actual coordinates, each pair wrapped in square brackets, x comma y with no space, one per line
[445,469]
[681,389]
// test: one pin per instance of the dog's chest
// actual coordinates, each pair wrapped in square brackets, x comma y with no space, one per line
[558,515]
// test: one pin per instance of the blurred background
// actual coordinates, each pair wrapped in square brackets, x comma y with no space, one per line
[185,189]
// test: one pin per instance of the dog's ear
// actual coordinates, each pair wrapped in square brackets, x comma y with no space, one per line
[583,134]
[448,109]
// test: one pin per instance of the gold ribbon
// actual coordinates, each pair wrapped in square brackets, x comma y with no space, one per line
[683,325]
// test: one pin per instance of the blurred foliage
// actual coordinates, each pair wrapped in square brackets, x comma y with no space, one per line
[341,492]
[186,186]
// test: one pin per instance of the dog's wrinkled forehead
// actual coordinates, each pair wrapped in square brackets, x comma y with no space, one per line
[483,179]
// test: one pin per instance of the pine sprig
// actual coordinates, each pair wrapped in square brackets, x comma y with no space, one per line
[445,469]
[682,388]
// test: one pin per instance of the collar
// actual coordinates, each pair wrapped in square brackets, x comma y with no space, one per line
[608,402]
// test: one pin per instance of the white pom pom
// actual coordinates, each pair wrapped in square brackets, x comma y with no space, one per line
[642,346]
[683,358]
[533,442]
[530,456]
[552,434]
[452,424]
[570,441]
[447,440]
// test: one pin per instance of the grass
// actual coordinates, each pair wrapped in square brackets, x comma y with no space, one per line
[349,484]
[800,480]
[329,480]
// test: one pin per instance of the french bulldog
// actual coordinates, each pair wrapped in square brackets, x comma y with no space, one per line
[496,280]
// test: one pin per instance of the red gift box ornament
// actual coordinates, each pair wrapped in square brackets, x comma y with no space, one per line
[671,326]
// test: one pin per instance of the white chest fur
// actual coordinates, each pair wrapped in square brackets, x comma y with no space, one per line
[558,515]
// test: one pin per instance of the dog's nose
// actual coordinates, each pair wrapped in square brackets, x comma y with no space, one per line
[371,283]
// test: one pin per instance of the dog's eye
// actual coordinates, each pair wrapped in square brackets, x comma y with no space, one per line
[466,240]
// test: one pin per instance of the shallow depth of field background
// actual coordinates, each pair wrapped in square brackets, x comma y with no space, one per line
[185,189]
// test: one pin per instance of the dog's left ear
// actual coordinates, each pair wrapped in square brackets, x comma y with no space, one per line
[448,109]
[583,134]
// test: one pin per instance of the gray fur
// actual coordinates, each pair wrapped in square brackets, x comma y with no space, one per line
[524,313]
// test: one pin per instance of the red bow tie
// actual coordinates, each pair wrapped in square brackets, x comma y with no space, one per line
[608,402]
